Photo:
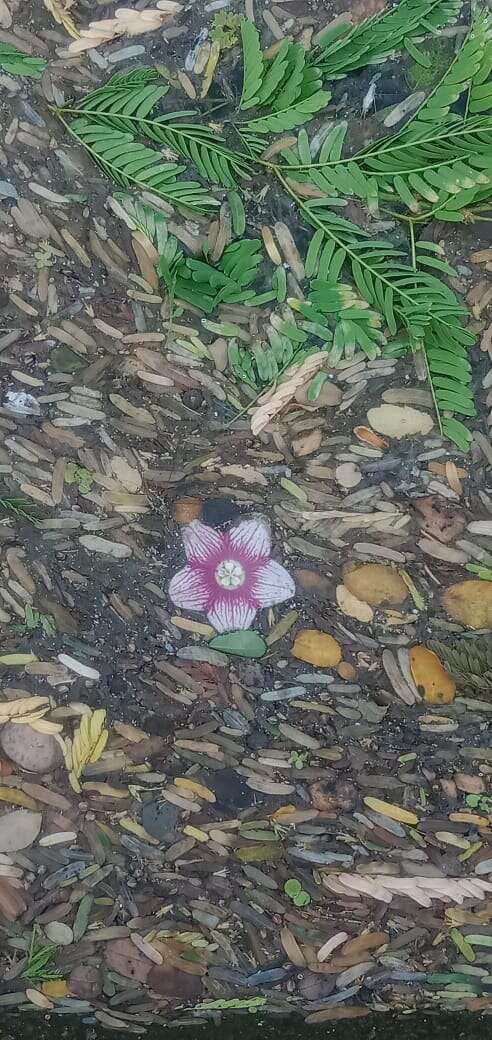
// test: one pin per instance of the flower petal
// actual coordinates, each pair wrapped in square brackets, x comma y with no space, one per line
[201,543]
[231,614]
[272,584]
[251,538]
[189,589]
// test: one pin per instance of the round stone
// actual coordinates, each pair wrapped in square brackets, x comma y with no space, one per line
[160,819]
[231,790]
[30,750]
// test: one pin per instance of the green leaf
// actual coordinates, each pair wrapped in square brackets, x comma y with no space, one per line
[240,644]
[457,433]
[238,215]
[292,888]
[16,63]
[486,574]
[316,385]
[302,899]
[462,945]
[422,59]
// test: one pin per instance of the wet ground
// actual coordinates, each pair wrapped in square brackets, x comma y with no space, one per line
[306,828]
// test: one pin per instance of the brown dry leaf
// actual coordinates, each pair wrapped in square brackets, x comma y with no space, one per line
[317,648]
[429,673]
[368,941]
[5,16]
[399,421]
[12,902]
[139,415]
[353,607]
[56,988]
[270,245]
[483,256]
[127,22]
[452,477]
[289,249]
[375,583]
[18,829]
[470,603]
[441,518]
[486,341]
[337,1014]
[275,400]
[192,785]
[249,474]
[292,948]
[421,890]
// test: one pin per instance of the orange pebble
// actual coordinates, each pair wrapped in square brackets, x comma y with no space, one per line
[187,509]
[346,670]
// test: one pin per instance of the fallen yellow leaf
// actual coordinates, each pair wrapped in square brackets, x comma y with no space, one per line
[9,794]
[430,675]
[195,788]
[470,603]
[195,832]
[135,828]
[10,659]
[317,648]
[393,812]
[375,583]
[56,988]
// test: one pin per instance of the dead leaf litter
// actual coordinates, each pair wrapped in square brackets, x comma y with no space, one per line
[281,802]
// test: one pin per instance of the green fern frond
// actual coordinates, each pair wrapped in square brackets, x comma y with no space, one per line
[127,101]
[16,63]
[340,52]
[291,85]
[410,299]
[203,147]
[439,165]
[128,162]
[252,65]
[274,74]
[457,78]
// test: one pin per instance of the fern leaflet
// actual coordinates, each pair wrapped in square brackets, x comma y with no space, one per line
[252,65]
[16,63]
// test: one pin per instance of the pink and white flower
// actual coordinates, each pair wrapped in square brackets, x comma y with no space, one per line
[229,574]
